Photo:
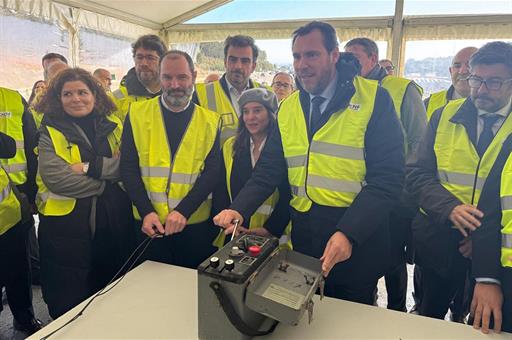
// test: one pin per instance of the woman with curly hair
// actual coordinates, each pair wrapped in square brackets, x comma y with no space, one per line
[84,225]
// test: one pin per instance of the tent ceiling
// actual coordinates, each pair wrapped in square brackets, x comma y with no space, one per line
[154,14]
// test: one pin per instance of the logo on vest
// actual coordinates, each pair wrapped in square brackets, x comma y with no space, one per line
[5,114]
[354,107]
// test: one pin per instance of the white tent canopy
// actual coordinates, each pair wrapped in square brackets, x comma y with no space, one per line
[126,20]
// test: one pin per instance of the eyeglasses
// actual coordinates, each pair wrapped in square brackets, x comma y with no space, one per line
[283,85]
[389,68]
[491,84]
[149,57]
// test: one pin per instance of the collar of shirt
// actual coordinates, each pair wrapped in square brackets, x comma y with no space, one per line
[327,93]
[503,113]
[164,104]
[253,161]
[456,95]
[153,92]
[234,95]
[375,73]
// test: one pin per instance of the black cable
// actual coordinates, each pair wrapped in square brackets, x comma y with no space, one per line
[145,243]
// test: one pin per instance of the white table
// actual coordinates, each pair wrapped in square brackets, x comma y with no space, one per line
[159,301]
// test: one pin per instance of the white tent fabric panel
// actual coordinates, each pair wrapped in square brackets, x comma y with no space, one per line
[374,28]
[71,18]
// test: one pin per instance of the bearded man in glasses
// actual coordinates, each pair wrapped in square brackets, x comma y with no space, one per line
[451,176]
[142,81]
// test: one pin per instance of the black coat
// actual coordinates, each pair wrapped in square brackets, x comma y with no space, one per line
[75,263]
[436,242]
[240,174]
[365,222]
[487,238]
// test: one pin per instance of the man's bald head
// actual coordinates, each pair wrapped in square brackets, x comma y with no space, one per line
[459,70]
[104,77]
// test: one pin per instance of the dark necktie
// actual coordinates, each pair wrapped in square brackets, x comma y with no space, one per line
[487,135]
[316,114]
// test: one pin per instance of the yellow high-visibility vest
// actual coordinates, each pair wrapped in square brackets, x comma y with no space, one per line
[10,209]
[169,178]
[213,97]
[122,99]
[38,117]
[506,213]
[459,167]
[11,113]
[262,214]
[331,169]
[396,87]
[52,204]
[436,100]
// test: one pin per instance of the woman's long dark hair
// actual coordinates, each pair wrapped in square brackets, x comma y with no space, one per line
[243,135]
[33,93]
[51,103]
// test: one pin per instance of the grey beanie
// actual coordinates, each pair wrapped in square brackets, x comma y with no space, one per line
[260,95]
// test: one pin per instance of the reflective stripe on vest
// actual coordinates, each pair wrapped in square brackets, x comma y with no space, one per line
[123,100]
[213,97]
[436,101]
[11,123]
[10,210]
[52,204]
[460,169]
[169,178]
[331,169]
[506,213]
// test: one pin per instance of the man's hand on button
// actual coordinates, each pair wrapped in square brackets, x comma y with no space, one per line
[227,219]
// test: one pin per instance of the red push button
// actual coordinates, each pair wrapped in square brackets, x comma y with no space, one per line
[254,250]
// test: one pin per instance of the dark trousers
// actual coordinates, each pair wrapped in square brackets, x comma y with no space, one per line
[360,294]
[396,287]
[33,250]
[438,292]
[396,277]
[352,280]
[461,302]
[15,272]
[186,249]
[418,292]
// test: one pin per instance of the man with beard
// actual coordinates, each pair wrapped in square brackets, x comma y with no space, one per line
[459,72]
[450,176]
[141,82]
[340,145]
[221,96]
[170,163]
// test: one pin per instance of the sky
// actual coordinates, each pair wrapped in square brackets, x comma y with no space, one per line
[259,10]
[279,51]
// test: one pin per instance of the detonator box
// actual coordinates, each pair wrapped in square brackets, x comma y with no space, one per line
[250,284]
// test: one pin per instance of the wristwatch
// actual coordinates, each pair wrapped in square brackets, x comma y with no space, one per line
[85,167]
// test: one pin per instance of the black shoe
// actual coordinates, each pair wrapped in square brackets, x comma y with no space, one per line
[30,327]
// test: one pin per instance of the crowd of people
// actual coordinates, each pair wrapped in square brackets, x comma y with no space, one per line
[342,161]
